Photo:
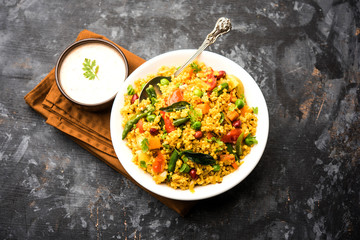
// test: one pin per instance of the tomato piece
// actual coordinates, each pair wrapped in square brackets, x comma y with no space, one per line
[176,96]
[169,126]
[211,80]
[139,125]
[232,136]
[159,163]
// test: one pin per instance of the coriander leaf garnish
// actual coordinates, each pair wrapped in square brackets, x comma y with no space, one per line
[194,115]
[218,141]
[89,71]
[145,145]
[195,67]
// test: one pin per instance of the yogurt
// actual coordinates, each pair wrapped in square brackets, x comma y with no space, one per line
[111,71]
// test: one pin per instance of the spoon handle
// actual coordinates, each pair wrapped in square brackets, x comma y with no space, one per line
[222,26]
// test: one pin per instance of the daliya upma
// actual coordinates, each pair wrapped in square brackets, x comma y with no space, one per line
[196,132]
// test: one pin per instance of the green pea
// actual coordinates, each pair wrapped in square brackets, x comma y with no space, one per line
[196,125]
[150,118]
[173,158]
[180,121]
[250,140]
[164,82]
[216,168]
[198,92]
[239,103]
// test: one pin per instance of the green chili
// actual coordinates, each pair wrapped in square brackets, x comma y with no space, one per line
[238,146]
[180,121]
[222,118]
[151,94]
[184,168]
[219,89]
[173,158]
[184,158]
[134,120]
[175,107]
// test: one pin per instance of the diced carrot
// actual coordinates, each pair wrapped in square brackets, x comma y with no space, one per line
[204,107]
[154,143]
[227,158]
[245,109]
[235,165]
[232,115]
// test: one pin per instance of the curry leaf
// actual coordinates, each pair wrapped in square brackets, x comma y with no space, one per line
[200,158]
[195,67]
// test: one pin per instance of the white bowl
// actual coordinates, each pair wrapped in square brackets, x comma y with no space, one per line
[253,96]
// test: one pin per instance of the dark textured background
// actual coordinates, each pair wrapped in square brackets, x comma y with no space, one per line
[303,54]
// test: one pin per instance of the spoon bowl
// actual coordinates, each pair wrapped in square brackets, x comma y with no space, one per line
[155,83]
[222,26]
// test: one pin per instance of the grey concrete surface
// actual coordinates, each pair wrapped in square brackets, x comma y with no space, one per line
[304,55]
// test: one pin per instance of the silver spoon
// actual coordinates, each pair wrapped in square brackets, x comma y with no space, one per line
[222,26]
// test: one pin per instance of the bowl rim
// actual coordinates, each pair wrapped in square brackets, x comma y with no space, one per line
[74,45]
[114,125]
